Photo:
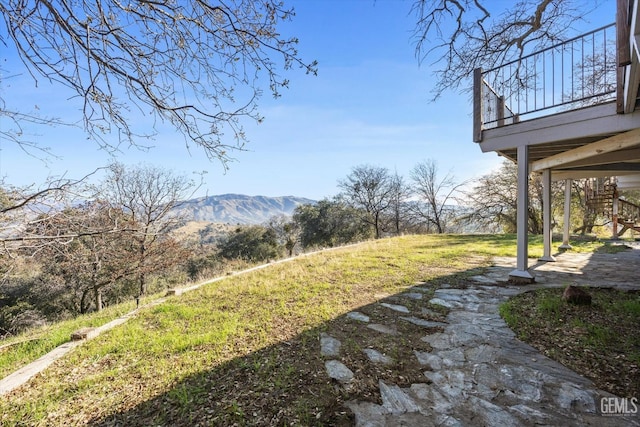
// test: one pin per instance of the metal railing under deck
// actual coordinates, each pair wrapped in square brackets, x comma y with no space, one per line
[573,74]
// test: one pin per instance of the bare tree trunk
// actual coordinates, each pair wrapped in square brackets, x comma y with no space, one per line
[83,307]
[98,298]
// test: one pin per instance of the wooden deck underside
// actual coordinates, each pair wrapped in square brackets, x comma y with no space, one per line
[593,141]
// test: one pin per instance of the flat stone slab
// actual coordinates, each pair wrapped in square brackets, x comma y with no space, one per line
[395,307]
[376,357]
[412,295]
[431,360]
[329,346]
[438,341]
[395,400]
[484,279]
[423,322]
[452,358]
[481,354]
[458,295]
[430,313]
[368,414]
[338,371]
[356,315]
[383,329]
[447,304]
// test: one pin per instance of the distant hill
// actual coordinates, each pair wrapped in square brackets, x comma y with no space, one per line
[238,208]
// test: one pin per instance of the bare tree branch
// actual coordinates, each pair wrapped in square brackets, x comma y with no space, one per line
[195,65]
[435,193]
[462,35]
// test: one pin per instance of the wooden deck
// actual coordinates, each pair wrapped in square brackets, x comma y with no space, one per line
[572,136]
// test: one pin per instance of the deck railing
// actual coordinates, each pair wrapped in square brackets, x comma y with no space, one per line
[575,73]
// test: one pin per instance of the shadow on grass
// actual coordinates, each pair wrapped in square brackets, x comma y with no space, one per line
[284,383]
[287,383]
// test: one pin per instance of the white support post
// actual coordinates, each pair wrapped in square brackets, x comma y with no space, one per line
[567,215]
[614,217]
[521,273]
[546,216]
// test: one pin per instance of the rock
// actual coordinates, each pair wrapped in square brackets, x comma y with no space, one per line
[395,307]
[422,322]
[431,360]
[338,371]
[575,295]
[395,400]
[368,414]
[83,334]
[383,329]
[329,346]
[484,280]
[528,413]
[439,341]
[450,383]
[573,397]
[412,295]
[452,358]
[356,315]
[377,357]
[489,414]
[447,304]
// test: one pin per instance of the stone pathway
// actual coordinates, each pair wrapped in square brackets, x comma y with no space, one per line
[478,373]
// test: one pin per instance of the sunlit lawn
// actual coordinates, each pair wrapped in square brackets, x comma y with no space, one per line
[227,320]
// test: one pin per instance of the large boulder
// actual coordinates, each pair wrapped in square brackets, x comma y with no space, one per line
[575,295]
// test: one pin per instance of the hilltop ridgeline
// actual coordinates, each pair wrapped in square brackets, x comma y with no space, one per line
[238,208]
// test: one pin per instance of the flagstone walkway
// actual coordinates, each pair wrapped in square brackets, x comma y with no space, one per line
[478,373]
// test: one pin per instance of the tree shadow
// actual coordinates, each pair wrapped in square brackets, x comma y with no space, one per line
[287,383]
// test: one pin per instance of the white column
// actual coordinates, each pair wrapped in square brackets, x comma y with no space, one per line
[567,215]
[546,216]
[614,217]
[521,273]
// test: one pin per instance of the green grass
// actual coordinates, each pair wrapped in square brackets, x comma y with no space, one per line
[600,340]
[25,348]
[257,327]
[550,306]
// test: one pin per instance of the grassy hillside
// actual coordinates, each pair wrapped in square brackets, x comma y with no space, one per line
[245,349]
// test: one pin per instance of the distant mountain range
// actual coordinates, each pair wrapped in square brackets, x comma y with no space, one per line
[238,208]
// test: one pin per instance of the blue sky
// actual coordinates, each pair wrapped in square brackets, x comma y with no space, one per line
[369,104]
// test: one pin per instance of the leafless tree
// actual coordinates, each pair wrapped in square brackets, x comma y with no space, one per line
[148,196]
[462,35]
[22,209]
[369,188]
[197,65]
[434,193]
[87,264]
[493,200]
[398,208]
